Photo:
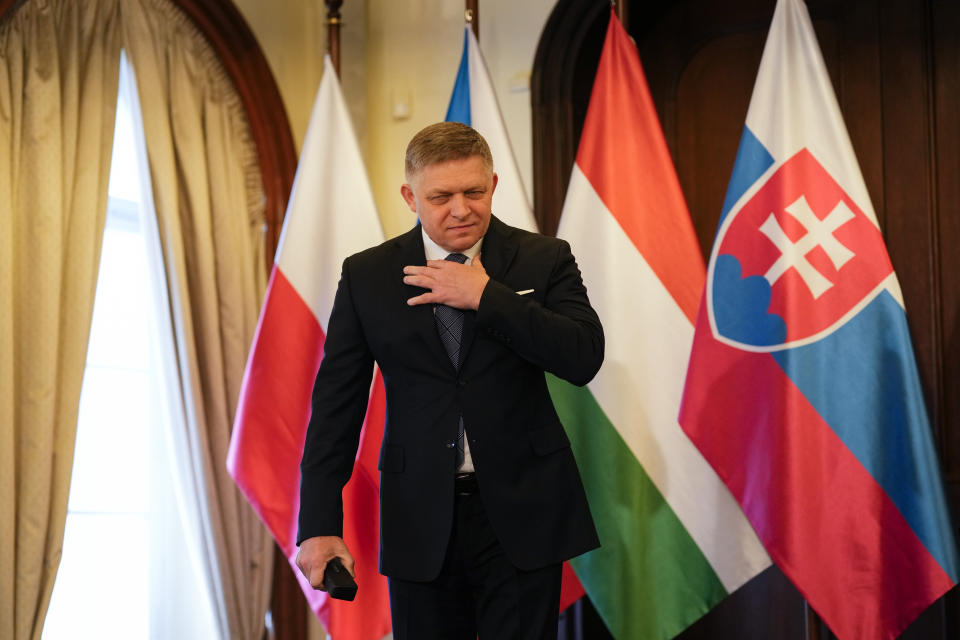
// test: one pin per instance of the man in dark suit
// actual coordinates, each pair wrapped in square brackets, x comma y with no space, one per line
[480,497]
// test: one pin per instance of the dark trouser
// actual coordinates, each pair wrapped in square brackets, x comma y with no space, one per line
[478,590]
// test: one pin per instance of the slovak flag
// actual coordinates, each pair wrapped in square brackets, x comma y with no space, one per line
[802,389]
[331,215]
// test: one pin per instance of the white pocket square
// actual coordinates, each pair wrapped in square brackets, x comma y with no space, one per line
[524,292]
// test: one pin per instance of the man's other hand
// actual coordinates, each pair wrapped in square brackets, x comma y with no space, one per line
[316,552]
[451,283]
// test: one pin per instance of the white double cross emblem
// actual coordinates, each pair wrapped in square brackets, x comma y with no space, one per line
[819,234]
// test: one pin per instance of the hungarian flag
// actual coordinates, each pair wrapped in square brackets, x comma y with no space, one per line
[474,103]
[331,215]
[674,541]
[802,389]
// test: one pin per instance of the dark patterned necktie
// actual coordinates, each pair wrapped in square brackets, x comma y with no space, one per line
[450,327]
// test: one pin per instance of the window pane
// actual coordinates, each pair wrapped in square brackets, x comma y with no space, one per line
[124,173]
[119,332]
[101,589]
[132,566]
[110,468]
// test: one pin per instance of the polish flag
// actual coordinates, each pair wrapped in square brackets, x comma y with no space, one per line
[331,215]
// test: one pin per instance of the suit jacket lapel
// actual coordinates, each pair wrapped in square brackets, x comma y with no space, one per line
[411,252]
[498,252]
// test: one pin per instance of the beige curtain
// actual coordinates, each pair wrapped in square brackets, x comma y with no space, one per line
[209,206]
[58,81]
[58,88]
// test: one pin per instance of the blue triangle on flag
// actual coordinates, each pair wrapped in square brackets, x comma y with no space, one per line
[752,160]
[459,109]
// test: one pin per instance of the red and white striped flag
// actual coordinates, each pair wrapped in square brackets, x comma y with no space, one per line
[331,215]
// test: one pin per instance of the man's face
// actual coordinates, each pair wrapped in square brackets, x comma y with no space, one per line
[452,200]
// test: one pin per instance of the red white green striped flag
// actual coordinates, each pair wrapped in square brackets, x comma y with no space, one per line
[674,541]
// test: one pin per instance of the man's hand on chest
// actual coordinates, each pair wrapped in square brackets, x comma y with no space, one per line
[455,285]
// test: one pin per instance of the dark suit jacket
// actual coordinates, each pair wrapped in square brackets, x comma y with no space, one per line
[528,479]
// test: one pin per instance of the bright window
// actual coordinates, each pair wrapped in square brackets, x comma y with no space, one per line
[128,568]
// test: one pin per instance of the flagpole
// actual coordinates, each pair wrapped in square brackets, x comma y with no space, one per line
[622,12]
[333,33]
[812,622]
[472,15]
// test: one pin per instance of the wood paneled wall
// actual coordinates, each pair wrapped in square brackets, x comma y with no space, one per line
[895,66]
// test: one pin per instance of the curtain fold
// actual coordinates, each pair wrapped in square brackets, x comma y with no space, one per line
[210,215]
[58,88]
[59,62]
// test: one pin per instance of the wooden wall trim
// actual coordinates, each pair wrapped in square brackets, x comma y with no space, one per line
[945,21]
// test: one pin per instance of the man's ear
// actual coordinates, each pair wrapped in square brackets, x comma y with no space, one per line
[408,196]
[494,187]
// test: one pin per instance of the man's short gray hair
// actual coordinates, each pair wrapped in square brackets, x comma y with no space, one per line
[442,142]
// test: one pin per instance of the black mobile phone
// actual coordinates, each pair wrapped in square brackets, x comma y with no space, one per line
[338,582]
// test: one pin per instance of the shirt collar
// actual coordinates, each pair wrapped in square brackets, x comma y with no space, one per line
[433,251]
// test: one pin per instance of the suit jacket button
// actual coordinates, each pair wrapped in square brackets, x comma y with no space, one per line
[461,382]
